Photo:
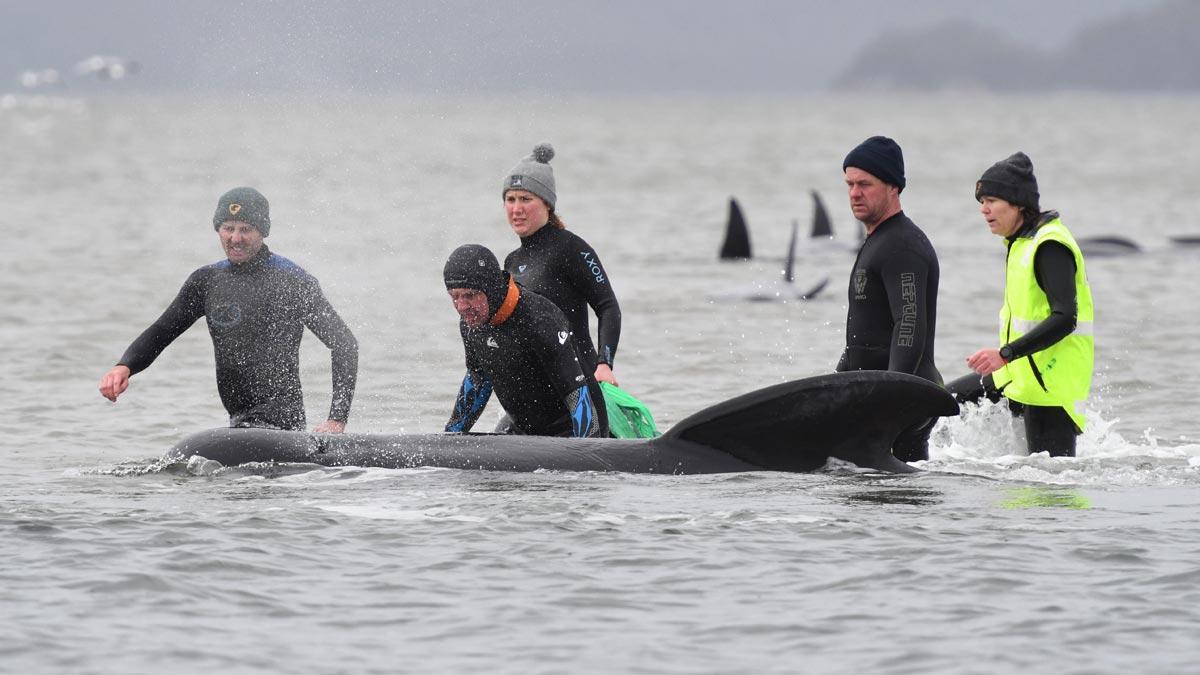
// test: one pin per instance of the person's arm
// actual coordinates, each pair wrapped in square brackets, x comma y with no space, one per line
[906,278]
[473,395]
[584,422]
[1054,269]
[184,310]
[333,332]
[588,275]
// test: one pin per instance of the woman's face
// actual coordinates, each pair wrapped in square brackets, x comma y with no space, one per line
[1003,218]
[526,212]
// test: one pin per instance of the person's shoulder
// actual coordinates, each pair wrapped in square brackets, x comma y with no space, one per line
[535,307]
[287,266]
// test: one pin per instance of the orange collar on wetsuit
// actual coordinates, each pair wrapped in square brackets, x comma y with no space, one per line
[509,304]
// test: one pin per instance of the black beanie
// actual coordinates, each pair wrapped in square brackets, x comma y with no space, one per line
[247,205]
[881,157]
[474,266]
[1012,180]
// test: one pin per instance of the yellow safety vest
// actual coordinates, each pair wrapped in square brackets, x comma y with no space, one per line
[1060,375]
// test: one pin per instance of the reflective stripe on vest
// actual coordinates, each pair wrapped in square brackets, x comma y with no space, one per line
[1061,374]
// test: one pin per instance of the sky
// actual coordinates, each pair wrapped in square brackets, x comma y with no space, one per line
[456,46]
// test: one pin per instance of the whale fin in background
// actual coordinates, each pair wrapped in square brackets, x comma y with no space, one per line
[789,265]
[821,225]
[737,237]
[812,292]
[854,416]
[1107,246]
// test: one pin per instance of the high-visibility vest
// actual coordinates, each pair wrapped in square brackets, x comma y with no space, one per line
[1060,375]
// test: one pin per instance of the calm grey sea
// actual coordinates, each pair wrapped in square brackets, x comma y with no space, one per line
[112,561]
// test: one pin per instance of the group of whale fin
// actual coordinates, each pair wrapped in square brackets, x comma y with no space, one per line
[736,245]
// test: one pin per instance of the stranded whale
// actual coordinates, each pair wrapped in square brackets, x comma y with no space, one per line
[794,426]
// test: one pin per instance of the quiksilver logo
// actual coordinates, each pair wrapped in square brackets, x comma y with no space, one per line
[562,337]
[491,342]
[517,181]
[521,269]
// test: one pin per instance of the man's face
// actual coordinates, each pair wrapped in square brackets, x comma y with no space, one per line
[240,240]
[526,212]
[471,305]
[870,198]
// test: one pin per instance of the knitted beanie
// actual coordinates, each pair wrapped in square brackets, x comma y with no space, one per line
[881,157]
[534,174]
[247,205]
[1012,180]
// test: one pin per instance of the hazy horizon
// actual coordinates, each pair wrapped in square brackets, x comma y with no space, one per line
[672,46]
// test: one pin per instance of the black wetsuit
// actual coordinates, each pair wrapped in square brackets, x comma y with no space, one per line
[256,313]
[531,362]
[561,267]
[892,314]
[1047,428]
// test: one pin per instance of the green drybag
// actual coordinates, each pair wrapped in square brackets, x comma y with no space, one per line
[627,416]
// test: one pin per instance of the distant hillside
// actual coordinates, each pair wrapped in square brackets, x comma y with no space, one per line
[1153,49]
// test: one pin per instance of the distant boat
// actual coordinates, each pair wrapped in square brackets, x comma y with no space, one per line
[107,67]
[1186,240]
[737,237]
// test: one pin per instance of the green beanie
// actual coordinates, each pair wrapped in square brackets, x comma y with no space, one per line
[247,205]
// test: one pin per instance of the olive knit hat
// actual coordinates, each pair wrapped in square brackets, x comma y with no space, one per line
[247,205]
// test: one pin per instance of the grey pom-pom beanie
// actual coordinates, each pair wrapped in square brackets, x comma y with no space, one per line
[533,174]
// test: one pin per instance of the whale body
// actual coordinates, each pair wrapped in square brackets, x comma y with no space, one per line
[794,426]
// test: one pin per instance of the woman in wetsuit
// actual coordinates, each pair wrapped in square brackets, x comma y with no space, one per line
[559,265]
[1044,364]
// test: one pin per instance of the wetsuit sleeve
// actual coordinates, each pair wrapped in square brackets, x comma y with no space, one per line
[184,310]
[328,326]
[591,279]
[905,275]
[1054,267]
[473,395]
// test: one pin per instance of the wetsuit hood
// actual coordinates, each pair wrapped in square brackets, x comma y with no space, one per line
[474,266]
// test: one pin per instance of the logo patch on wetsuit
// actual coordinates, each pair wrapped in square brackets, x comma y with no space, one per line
[562,337]
[589,259]
[908,316]
[225,316]
[860,284]
[491,342]
[235,208]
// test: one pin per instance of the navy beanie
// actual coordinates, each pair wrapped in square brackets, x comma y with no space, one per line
[475,266]
[247,205]
[881,157]
[1012,180]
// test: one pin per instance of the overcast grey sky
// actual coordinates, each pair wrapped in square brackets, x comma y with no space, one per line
[455,46]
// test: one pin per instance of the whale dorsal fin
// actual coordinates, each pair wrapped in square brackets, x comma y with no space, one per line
[821,225]
[737,237]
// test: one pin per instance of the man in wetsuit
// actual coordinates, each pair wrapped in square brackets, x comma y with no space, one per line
[892,310]
[257,305]
[519,344]
[1044,366]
